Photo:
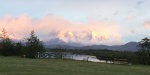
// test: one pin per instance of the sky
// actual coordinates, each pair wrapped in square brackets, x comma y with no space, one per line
[88,22]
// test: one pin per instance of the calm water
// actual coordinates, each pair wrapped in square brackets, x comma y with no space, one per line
[85,58]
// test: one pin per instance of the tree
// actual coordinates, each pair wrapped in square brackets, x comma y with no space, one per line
[144,44]
[7,46]
[33,45]
[144,51]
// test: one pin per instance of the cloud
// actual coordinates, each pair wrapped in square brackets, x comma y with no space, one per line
[52,26]
[116,13]
[130,18]
[147,24]
[139,3]
[136,32]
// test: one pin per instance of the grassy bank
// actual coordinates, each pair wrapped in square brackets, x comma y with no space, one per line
[24,66]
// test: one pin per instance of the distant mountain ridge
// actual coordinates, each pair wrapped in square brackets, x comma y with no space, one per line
[131,46]
[57,43]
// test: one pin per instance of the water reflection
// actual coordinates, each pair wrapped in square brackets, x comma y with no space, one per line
[70,56]
[84,58]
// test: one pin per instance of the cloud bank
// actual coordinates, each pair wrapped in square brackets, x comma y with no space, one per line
[52,26]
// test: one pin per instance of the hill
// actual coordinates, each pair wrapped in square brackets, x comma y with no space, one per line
[57,43]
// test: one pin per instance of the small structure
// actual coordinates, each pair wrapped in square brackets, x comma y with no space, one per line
[120,61]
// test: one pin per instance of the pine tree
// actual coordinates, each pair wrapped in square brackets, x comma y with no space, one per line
[33,45]
[7,47]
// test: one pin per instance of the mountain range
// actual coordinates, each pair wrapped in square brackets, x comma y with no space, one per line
[57,43]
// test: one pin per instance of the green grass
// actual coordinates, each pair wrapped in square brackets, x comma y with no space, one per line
[24,66]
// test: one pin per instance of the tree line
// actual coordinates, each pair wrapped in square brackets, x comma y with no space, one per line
[26,48]
[31,45]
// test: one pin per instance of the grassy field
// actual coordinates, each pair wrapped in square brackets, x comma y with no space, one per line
[24,66]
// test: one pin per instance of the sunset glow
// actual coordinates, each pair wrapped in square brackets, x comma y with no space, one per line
[85,22]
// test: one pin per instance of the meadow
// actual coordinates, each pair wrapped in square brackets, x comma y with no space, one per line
[25,66]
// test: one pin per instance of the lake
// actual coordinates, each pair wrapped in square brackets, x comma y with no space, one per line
[84,58]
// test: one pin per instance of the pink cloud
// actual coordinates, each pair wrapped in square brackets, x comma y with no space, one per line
[130,18]
[147,24]
[91,32]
